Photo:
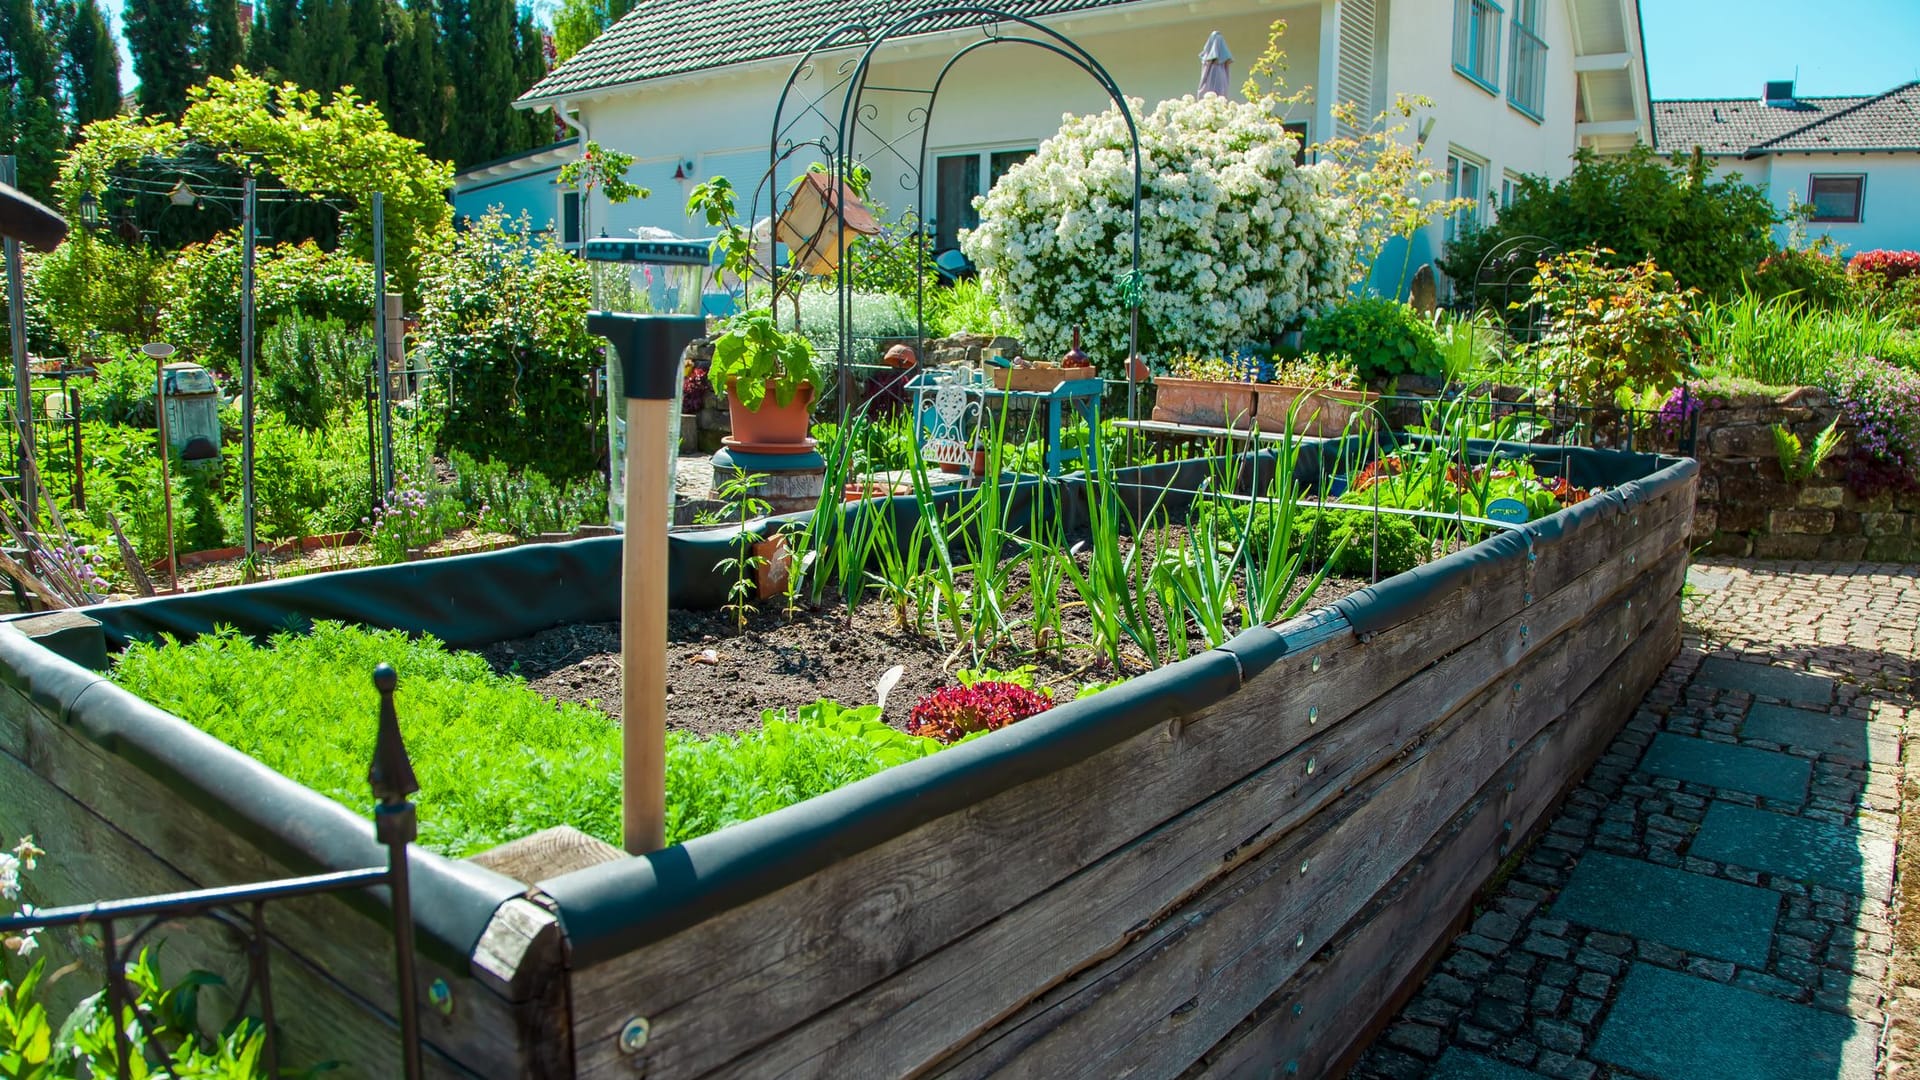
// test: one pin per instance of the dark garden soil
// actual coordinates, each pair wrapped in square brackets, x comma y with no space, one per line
[719,681]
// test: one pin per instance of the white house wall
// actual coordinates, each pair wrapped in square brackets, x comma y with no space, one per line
[1890,198]
[1469,118]
[532,193]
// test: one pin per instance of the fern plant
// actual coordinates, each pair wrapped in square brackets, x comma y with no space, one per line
[1799,462]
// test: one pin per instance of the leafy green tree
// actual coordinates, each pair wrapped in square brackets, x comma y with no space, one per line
[288,135]
[224,49]
[575,24]
[91,66]
[164,37]
[1707,232]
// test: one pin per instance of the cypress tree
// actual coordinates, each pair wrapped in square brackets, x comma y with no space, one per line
[367,68]
[92,66]
[321,52]
[530,65]
[483,121]
[224,49]
[417,79]
[30,127]
[268,47]
[163,36]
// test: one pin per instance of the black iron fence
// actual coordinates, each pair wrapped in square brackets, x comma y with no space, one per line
[243,908]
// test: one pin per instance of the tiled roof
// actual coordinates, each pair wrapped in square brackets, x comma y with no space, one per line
[1747,126]
[673,37]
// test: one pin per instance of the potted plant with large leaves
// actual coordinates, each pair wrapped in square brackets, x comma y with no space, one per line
[771,379]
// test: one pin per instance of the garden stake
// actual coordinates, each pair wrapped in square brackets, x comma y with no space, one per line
[649,348]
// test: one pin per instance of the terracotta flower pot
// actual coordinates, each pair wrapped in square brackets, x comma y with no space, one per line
[1321,413]
[772,428]
[1203,402]
[770,577]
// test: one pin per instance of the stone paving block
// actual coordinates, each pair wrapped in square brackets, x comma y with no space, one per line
[1764,680]
[1458,1064]
[1807,851]
[1675,1027]
[1723,765]
[1807,729]
[1700,914]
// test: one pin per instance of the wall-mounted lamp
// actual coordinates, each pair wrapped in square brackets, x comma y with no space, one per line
[679,170]
[89,211]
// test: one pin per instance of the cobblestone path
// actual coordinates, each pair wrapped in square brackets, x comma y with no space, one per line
[1716,900]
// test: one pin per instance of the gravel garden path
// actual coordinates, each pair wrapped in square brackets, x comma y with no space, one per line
[1732,893]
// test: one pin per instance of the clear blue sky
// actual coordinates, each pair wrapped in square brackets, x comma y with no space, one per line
[1728,48]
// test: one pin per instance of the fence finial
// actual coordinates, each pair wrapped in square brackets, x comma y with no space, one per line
[391,774]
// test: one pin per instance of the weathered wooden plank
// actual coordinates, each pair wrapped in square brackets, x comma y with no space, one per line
[1163,1001]
[1318,1019]
[522,958]
[727,985]
[321,931]
[916,1015]
[320,1020]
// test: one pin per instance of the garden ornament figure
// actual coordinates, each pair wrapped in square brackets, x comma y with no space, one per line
[1214,59]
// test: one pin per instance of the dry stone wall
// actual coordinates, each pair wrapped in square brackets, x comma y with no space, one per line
[1748,507]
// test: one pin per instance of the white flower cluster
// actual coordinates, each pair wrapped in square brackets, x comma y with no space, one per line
[12,863]
[1236,243]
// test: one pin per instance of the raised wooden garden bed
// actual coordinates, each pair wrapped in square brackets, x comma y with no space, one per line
[1232,864]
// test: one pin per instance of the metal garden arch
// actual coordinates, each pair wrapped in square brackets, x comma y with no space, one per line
[836,147]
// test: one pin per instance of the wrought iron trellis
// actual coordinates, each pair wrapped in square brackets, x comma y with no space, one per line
[242,908]
[803,103]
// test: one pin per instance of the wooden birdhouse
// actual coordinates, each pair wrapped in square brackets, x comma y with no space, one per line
[821,222]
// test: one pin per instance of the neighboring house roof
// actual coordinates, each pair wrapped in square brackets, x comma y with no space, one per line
[538,159]
[1749,127]
[659,38]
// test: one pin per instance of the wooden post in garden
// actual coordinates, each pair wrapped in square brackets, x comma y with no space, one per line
[649,349]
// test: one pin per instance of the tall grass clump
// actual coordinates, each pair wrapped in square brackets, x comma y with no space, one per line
[1783,342]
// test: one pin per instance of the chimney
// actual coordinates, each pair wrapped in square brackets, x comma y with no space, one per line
[1779,93]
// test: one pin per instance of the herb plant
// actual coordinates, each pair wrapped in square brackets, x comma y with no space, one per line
[1383,337]
[737,491]
[755,358]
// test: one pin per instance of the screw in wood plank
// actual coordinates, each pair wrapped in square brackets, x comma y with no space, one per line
[1313,714]
[633,1036]
[1316,663]
[440,996]
[1312,763]
[1300,939]
[1526,598]
[1303,865]
[1298,1008]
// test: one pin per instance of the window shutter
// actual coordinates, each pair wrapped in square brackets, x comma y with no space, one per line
[1354,80]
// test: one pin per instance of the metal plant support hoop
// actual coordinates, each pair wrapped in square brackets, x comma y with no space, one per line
[835,149]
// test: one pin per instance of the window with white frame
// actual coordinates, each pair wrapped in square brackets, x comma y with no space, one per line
[957,180]
[1527,67]
[1466,179]
[1476,41]
[1837,198]
[1509,189]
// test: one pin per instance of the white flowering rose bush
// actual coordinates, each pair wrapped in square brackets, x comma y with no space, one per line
[1236,242]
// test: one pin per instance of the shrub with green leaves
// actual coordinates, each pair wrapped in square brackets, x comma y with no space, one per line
[496,761]
[202,308]
[1810,276]
[309,367]
[1610,326]
[503,320]
[1708,232]
[1383,337]
[526,503]
[1341,540]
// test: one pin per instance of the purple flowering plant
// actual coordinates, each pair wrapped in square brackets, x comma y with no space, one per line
[1880,403]
[411,516]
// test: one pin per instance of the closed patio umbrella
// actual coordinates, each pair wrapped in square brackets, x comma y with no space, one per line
[1213,66]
